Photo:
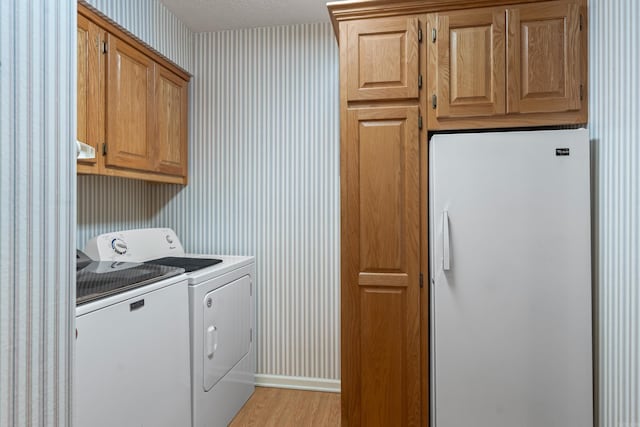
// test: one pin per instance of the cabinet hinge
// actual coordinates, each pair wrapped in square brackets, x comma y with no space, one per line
[420,122]
[580,22]
[434,35]
[105,49]
[251,335]
[104,148]
[420,81]
[581,92]
[421,280]
[434,101]
[420,35]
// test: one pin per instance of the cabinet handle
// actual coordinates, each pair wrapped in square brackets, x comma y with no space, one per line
[446,244]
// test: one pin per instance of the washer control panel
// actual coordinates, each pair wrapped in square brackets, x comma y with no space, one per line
[135,245]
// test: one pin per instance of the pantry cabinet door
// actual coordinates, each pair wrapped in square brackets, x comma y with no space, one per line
[380,285]
[383,59]
[130,107]
[467,61]
[544,48]
[171,122]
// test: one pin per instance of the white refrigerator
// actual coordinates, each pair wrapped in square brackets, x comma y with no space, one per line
[511,310]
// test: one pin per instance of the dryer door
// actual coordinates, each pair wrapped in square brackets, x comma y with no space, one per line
[227,324]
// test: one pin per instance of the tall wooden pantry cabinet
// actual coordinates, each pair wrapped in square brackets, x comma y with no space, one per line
[408,68]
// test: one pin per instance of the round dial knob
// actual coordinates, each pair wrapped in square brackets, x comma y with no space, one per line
[119,246]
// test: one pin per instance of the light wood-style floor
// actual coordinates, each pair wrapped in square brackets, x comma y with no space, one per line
[277,407]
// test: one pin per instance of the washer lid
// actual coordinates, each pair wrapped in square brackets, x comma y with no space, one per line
[100,279]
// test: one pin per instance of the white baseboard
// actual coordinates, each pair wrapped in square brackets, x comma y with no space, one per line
[298,383]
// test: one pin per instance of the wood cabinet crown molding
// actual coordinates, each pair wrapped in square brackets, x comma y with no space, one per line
[364,9]
[97,17]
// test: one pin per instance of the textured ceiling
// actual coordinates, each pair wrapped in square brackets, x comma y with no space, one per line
[216,15]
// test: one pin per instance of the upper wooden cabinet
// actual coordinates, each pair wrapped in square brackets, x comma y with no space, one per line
[132,104]
[90,92]
[171,122]
[130,109]
[383,59]
[83,100]
[504,67]
[544,50]
[468,63]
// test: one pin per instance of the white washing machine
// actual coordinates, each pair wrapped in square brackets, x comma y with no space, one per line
[132,336]
[221,313]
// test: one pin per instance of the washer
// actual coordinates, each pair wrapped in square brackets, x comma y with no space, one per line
[132,333]
[221,313]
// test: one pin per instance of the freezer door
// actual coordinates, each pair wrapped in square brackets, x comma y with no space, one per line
[511,279]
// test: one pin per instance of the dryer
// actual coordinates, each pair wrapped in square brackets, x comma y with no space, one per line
[221,316]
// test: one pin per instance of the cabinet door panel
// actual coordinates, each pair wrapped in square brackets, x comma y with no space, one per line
[384,367]
[544,58]
[84,41]
[381,263]
[383,59]
[381,185]
[90,90]
[130,107]
[470,63]
[171,122]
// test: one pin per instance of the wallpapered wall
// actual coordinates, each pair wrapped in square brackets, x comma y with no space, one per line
[154,24]
[37,211]
[615,133]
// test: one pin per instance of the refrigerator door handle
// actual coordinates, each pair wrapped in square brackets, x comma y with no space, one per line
[446,256]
